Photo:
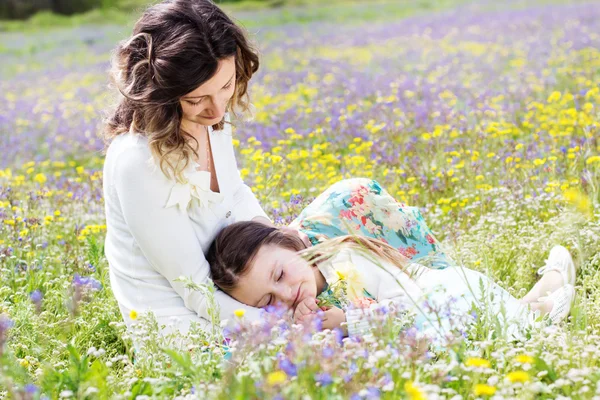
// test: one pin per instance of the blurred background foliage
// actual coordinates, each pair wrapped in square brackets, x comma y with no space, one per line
[34,15]
[22,9]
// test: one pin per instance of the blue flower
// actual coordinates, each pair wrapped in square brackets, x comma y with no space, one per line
[36,296]
[373,393]
[86,281]
[339,336]
[324,379]
[328,352]
[30,388]
[288,367]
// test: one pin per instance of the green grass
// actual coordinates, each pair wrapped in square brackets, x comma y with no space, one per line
[251,13]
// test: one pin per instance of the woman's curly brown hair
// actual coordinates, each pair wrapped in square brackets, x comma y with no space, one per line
[175,47]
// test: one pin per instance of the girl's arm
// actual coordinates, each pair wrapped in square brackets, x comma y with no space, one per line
[387,283]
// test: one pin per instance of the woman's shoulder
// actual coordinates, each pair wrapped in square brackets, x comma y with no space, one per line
[129,152]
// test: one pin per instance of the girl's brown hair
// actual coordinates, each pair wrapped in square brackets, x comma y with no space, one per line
[175,47]
[234,248]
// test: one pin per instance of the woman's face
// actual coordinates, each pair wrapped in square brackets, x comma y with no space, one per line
[206,104]
[276,276]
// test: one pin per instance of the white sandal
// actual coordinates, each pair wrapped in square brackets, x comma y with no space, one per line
[562,300]
[560,260]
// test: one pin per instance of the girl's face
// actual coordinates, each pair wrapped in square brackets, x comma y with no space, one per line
[206,104]
[277,276]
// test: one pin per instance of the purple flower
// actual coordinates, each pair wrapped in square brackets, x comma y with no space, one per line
[87,282]
[328,352]
[324,379]
[5,324]
[373,393]
[288,367]
[30,388]
[339,336]
[36,296]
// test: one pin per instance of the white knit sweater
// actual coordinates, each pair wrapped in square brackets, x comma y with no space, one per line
[154,236]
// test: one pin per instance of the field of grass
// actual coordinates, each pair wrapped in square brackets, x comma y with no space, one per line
[486,116]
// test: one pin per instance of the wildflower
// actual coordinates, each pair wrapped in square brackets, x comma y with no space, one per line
[593,159]
[413,391]
[580,200]
[40,178]
[30,388]
[477,362]
[239,312]
[5,324]
[87,282]
[518,376]
[524,359]
[288,367]
[328,352]
[483,390]
[36,298]
[276,378]
[324,379]
[133,315]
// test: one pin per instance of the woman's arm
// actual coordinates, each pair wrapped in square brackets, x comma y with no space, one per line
[165,236]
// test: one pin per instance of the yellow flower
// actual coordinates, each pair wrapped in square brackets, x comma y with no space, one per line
[554,97]
[518,376]
[340,275]
[133,315]
[483,390]
[40,178]
[239,312]
[524,359]
[413,391]
[354,283]
[276,378]
[477,362]
[593,159]
[580,200]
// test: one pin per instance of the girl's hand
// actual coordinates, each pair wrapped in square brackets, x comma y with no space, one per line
[306,307]
[333,318]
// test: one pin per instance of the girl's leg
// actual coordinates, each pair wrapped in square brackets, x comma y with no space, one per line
[550,281]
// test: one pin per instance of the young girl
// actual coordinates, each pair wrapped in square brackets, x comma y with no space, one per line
[262,266]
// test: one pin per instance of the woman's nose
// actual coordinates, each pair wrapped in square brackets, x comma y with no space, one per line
[216,108]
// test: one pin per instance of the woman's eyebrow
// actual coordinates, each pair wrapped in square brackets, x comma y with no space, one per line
[197,97]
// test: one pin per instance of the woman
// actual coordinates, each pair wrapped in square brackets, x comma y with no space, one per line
[170,175]
[262,266]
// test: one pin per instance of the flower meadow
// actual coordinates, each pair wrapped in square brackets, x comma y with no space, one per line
[485,116]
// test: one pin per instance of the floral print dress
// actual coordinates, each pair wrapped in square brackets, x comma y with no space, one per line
[362,207]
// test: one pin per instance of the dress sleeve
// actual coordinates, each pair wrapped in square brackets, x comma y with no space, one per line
[390,286]
[165,236]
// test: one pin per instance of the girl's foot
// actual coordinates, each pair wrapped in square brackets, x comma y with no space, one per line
[560,260]
[558,271]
